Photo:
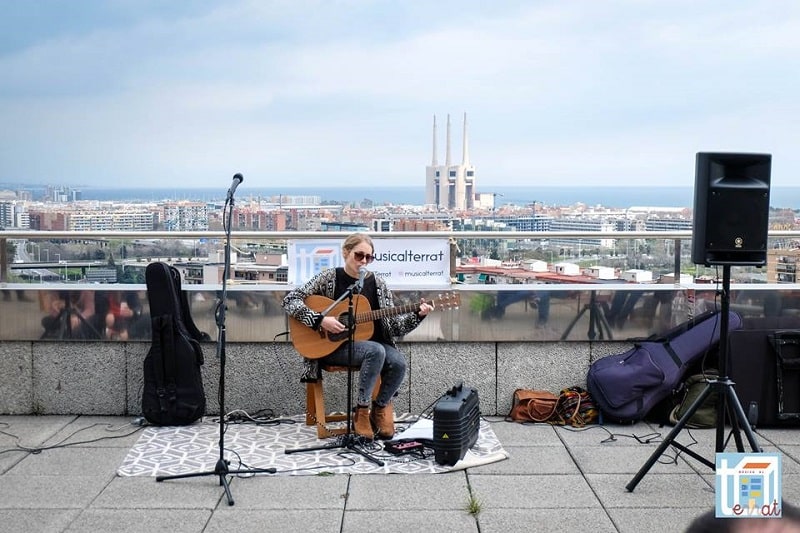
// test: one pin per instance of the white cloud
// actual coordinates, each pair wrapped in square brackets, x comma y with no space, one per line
[581,92]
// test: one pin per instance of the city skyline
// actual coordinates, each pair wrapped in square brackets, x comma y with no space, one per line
[609,197]
[619,93]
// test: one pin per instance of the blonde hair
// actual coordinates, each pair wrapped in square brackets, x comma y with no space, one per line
[354,240]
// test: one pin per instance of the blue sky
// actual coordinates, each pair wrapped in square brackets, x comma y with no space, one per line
[162,93]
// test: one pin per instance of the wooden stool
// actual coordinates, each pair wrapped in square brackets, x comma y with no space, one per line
[315,405]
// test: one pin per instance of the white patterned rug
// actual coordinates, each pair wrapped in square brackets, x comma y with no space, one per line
[177,450]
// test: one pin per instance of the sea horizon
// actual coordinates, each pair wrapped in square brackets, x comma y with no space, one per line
[606,196]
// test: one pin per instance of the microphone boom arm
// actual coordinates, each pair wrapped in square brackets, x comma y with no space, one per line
[346,294]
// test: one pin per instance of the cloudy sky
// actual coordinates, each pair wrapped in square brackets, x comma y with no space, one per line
[164,93]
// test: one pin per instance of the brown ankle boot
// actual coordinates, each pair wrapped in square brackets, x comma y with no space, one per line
[382,419]
[361,423]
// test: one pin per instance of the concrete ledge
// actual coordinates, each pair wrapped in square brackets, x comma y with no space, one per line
[79,378]
[16,378]
[106,378]
[135,353]
[547,366]
[436,367]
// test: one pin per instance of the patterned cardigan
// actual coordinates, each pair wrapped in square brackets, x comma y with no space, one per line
[324,284]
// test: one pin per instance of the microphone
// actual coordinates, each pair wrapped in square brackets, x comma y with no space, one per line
[362,273]
[237,179]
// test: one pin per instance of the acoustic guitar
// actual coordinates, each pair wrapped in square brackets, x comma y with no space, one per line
[314,344]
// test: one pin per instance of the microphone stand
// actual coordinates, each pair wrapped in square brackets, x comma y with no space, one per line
[348,440]
[221,469]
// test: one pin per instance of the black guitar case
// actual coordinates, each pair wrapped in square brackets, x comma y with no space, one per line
[173,393]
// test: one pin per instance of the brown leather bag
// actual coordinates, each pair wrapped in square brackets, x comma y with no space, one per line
[533,406]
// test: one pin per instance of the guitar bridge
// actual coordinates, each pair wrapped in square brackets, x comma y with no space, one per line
[338,337]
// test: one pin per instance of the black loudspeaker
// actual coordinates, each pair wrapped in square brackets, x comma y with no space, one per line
[456,424]
[731,209]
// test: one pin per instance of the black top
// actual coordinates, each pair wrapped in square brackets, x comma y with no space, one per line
[370,291]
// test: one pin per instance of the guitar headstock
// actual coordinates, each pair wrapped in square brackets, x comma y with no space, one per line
[448,301]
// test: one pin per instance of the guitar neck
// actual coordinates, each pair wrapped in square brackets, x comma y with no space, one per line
[384,313]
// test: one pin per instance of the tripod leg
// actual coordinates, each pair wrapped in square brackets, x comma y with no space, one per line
[349,443]
[330,446]
[670,438]
[572,324]
[603,325]
[727,410]
[591,333]
[741,417]
[221,470]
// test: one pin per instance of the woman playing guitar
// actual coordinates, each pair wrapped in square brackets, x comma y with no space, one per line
[376,355]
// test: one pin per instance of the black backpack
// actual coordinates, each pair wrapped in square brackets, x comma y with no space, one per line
[173,393]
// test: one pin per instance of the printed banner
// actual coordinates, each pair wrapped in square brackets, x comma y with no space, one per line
[403,263]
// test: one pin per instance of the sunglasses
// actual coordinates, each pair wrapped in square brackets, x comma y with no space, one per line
[360,256]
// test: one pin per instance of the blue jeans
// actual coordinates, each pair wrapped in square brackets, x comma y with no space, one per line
[506,298]
[373,359]
[622,305]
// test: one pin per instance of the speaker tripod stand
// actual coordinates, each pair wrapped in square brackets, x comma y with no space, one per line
[728,405]
[598,324]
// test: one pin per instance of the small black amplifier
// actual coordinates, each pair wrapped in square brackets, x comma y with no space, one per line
[456,421]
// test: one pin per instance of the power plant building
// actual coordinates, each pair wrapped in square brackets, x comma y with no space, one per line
[450,186]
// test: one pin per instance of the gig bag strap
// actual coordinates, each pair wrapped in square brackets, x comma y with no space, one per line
[159,324]
[168,349]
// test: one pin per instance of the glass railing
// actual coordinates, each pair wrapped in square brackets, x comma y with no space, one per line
[57,300]
[505,313]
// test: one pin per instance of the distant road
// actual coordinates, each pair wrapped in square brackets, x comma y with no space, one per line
[57,264]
